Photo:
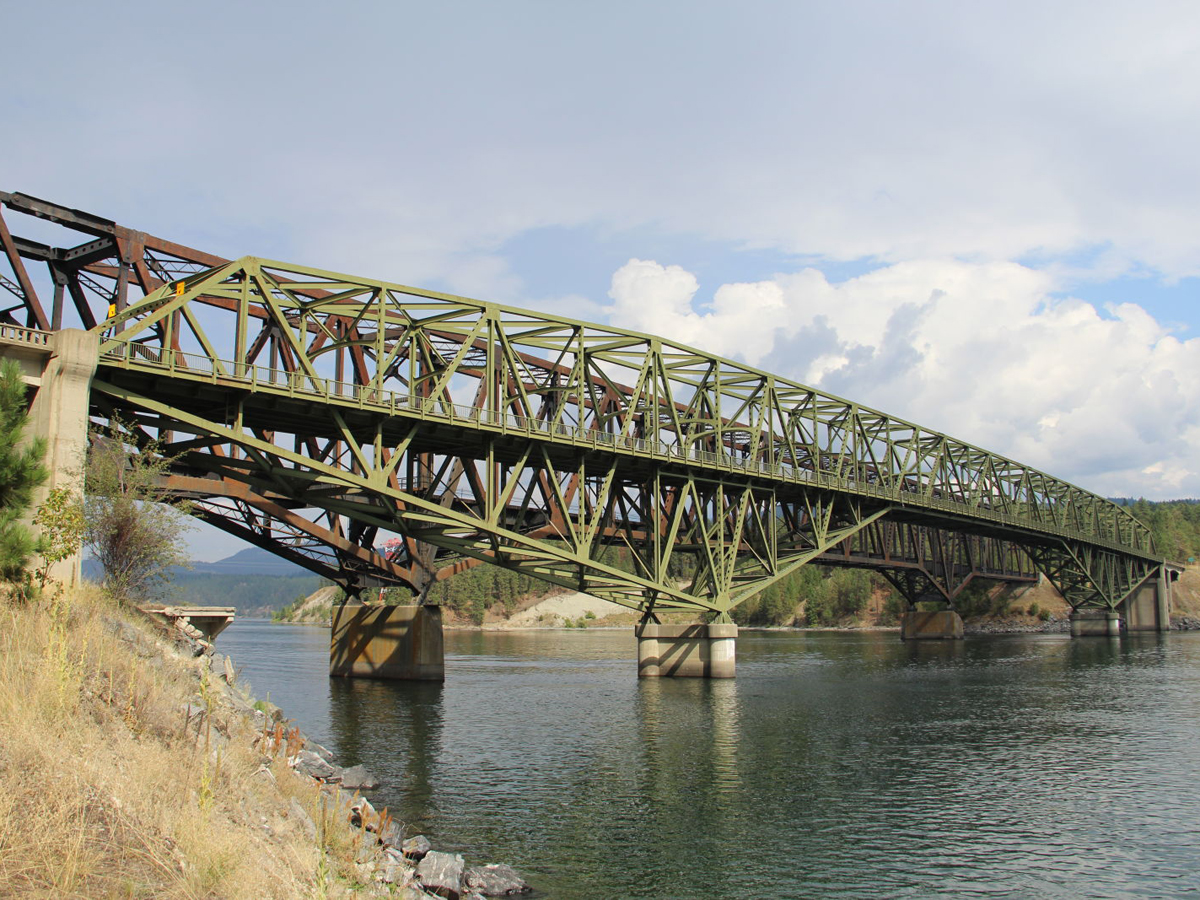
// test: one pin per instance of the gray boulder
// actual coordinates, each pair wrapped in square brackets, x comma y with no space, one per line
[496,880]
[416,847]
[393,854]
[393,872]
[441,874]
[308,763]
[361,811]
[396,869]
[357,778]
[391,835]
[323,752]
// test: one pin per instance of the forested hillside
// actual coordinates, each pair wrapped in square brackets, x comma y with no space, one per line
[829,595]
[1175,525]
[472,592]
[253,595]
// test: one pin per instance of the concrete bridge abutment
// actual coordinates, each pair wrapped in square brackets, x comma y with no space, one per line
[61,369]
[1149,607]
[686,651]
[402,643]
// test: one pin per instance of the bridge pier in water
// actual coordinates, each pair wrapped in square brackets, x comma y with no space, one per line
[403,643]
[938,625]
[1095,623]
[1146,610]
[686,651]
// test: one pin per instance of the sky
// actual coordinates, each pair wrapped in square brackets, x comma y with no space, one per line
[981,217]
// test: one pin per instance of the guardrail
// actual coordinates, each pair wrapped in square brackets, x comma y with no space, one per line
[302,384]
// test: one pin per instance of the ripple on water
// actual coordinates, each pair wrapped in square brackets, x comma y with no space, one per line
[834,764]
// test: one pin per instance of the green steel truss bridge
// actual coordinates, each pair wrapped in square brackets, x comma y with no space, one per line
[318,414]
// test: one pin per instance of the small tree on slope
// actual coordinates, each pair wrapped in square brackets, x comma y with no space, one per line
[132,527]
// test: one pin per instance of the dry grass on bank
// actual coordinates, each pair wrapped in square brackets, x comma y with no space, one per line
[1185,594]
[107,791]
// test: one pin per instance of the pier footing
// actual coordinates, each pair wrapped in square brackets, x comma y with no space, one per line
[686,651]
[940,625]
[394,642]
[1095,623]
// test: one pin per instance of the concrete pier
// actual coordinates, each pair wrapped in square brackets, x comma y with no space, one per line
[1095,623]
[939,625]
[686,651]
[396,642]
[60,366]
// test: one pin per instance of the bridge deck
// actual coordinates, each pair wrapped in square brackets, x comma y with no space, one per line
[292,394]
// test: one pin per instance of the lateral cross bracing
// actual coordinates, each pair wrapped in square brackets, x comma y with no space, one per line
[315,413]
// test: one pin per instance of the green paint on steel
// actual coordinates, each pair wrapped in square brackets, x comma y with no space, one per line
[536,441]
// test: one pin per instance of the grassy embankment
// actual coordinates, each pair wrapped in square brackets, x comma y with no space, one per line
[125,771]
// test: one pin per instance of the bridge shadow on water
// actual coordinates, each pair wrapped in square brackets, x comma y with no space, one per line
[395,729]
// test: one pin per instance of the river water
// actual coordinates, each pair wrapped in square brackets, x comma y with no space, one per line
[835,764]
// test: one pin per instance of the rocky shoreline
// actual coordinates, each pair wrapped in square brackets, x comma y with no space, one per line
[388,863]
[1052,625]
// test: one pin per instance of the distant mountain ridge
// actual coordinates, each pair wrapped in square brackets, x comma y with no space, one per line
[251,561]
[253,581]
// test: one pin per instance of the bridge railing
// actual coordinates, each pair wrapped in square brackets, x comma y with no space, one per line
[201,367]
[20,335]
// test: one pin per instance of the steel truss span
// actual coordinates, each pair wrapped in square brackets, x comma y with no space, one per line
[314,414]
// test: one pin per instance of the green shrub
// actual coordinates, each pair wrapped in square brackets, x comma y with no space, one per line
[893,606]
[828,595]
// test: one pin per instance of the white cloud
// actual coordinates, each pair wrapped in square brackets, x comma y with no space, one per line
[978,350]
[891,131]
[942,139]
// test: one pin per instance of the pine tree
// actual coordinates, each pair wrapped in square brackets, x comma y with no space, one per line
[21,472]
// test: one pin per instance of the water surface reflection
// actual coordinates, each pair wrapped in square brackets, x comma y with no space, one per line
[835,764]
